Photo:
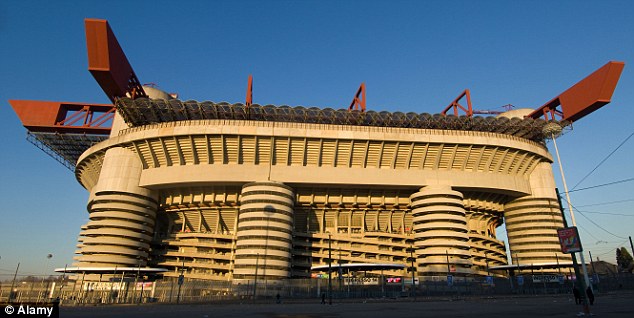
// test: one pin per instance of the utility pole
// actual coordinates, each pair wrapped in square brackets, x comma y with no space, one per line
[592,263]
[13,283]
[631,246]
[572,213]
[594,272]
[575,265]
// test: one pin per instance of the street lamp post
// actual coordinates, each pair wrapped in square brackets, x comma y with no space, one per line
[517,262]
[329,269]
[43,297]
[340,272]
[181,280]
[255,278]
[411,255]
[448,268]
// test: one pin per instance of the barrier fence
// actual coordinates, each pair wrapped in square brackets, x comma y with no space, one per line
[167,290]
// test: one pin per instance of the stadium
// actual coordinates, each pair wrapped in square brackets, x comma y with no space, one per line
[237,192]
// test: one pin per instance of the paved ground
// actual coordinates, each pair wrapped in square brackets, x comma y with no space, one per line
[611,305]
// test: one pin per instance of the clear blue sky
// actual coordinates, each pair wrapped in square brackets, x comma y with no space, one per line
[412,55]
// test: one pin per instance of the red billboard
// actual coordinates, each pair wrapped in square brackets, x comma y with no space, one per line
[569,240]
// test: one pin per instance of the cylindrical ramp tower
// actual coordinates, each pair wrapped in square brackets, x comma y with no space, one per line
[440,231]
[532,222]
[531,225]
[264,235]
[122,215]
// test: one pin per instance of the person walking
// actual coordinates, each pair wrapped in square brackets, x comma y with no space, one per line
[323,298]
[575,292]
[590,295]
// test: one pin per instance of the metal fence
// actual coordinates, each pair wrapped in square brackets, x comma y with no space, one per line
[169,291]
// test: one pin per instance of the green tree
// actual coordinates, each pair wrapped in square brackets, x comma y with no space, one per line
[624,260]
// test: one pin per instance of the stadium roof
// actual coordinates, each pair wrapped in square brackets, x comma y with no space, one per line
[68,147]
[143,111]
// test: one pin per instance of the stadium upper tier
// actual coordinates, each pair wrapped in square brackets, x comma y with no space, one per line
[144,111]
[68,147]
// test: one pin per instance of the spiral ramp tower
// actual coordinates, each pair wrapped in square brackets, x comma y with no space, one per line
[440,231]
[532,222]
[121,215]
[264,233]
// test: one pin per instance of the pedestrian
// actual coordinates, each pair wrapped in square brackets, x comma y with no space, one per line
[277,298]
[590,295]
[323,298]
[575,292]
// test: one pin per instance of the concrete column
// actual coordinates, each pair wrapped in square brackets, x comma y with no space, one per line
[122,215]
[532,221]
[440,231]
[264,235]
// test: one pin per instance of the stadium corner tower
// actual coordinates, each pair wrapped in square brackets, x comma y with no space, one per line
[220,191]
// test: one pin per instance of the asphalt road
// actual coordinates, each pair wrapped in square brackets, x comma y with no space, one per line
[612,305]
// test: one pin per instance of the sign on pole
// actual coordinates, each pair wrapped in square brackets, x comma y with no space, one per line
[569,240]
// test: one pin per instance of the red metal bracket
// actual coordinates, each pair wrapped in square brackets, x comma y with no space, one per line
[108,64]
[583,98]
[456,105]
[358,103]
[58,117]
[249,99]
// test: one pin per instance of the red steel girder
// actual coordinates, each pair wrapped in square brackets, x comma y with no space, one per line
[358,102]
[108,64]
[456,105]
[249,99]
[61,117]
[583,98]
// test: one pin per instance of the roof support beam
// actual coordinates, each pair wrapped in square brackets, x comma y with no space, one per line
[60,117]
[108,64]
[583,98]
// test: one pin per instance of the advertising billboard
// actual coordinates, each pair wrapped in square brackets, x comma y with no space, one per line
[569,240]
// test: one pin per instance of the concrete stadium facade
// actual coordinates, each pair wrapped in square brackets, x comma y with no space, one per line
[218,199]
